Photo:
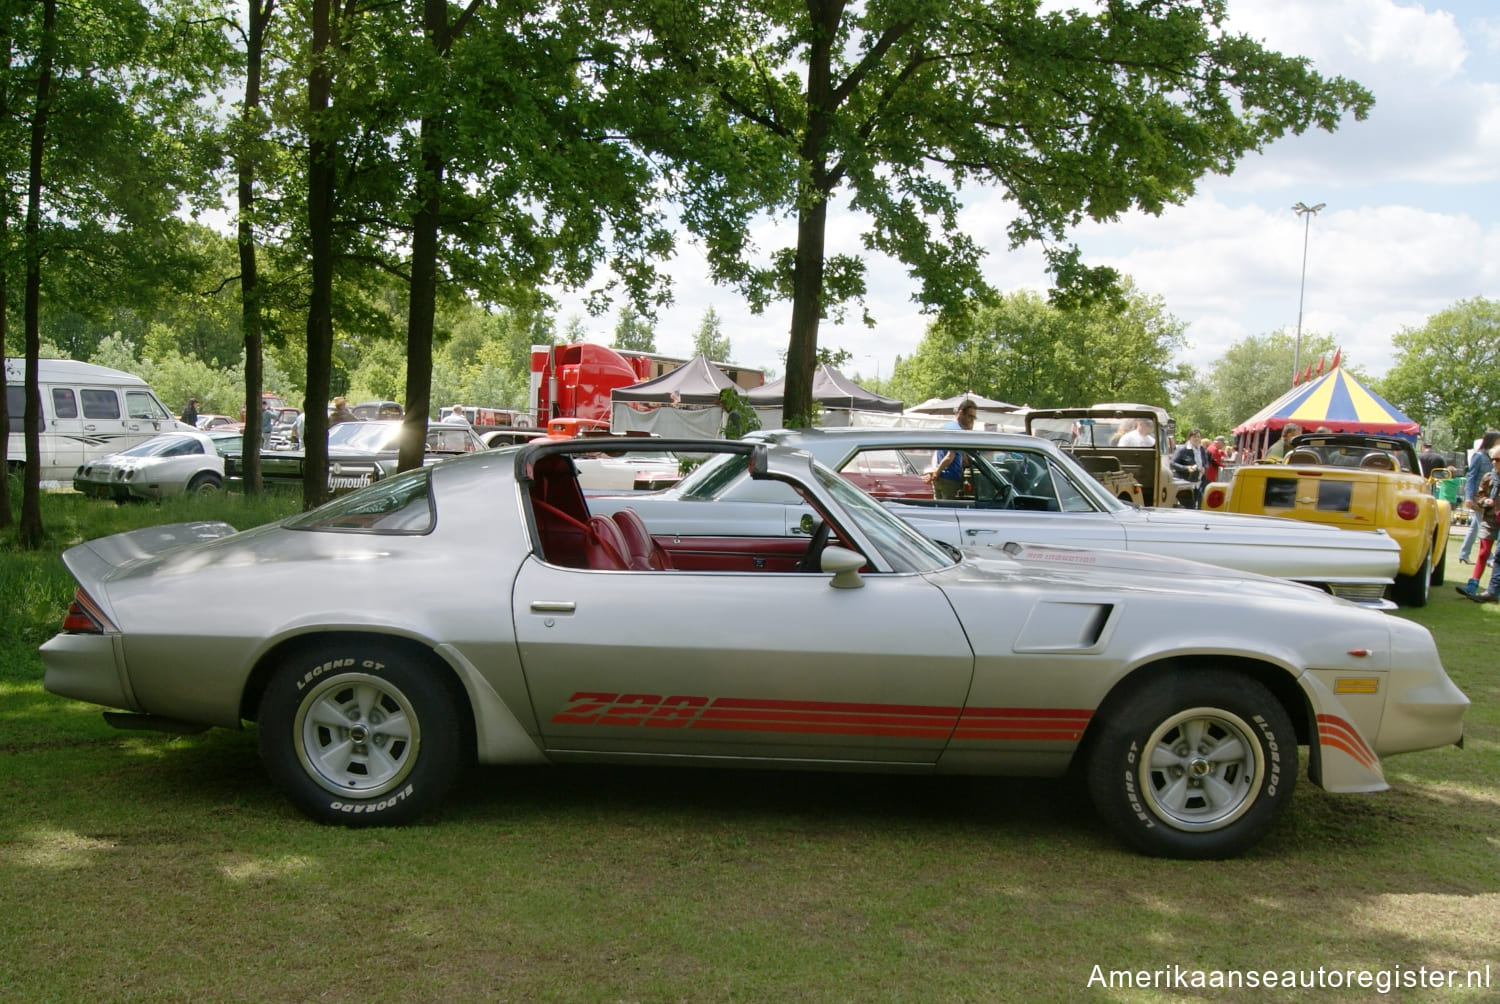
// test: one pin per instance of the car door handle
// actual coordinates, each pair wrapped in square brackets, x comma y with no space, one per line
[976,531]
[551,606]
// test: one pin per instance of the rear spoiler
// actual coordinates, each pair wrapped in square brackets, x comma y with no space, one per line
[94,560]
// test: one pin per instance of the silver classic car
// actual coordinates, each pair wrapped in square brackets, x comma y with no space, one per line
[173,463]
[1020,488]
[863,645]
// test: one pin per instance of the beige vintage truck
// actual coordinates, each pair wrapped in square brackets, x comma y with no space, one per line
[1133,473]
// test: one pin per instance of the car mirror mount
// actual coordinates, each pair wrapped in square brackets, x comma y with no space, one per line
[845,565]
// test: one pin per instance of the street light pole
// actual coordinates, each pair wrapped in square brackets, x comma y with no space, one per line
[1307,213]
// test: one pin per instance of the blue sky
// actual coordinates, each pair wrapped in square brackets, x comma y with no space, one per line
[1411,224]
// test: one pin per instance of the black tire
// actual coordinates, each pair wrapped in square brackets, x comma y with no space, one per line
[339,764]
[1193,765]
[1439,563]
[1411,590]
[205,483]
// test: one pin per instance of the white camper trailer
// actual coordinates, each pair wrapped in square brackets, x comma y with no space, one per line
[88,411]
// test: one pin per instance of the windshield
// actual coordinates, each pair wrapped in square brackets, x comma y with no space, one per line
[904,549]
[372,436]
[712,476]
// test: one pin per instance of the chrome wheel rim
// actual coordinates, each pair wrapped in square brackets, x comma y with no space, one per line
[1202,769]
[357,735]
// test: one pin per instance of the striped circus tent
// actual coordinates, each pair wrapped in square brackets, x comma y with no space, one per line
[1335,401]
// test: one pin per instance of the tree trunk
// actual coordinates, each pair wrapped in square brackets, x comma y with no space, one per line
[421,321]
[807,308]
[29,530]
[812,219]
[6,517]
[320,197]
[250,312]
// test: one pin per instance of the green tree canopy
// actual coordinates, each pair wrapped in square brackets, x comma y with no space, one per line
[710,340]
[1449,370]
[633,331]
[897,105]
[1026,350]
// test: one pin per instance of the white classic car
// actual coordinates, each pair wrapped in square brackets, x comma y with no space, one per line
[172,463]
[1024,489]
[567,636]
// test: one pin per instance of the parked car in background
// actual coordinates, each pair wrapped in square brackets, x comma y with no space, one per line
[1023,489]
[609,471]
[862,646]
[210,423]
[172,463]
[369,411]
[359,453]
[1357,483]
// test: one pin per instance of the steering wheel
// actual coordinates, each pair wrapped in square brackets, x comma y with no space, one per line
[812,559]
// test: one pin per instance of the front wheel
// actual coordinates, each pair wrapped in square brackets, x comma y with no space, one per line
[1194,765]
[360,736]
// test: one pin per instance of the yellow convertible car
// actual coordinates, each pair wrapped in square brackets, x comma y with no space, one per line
[1359,482]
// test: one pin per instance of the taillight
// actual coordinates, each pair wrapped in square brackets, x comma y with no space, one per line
[1406,509]
[85,617]
[1214,498]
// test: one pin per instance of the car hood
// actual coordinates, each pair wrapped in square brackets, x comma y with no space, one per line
[1073,569]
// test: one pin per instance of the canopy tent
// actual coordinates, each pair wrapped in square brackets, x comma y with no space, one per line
[839,396]
[949,405]
[1336,401]
[680,402]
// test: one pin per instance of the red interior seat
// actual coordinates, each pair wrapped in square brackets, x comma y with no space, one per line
[644,553]
[604,546]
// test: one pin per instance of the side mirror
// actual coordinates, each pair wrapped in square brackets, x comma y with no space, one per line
[845,565]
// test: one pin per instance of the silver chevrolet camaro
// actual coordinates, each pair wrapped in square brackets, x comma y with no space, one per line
[478,610]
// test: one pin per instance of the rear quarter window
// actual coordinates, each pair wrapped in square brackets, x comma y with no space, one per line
[399,505]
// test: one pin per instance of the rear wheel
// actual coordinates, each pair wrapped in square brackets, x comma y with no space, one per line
[356,735]
[1439,563]
[1411,590]
[1194,765]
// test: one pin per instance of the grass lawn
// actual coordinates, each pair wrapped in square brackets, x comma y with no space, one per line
[135,866]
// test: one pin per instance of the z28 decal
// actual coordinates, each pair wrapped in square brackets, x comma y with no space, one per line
[745,714]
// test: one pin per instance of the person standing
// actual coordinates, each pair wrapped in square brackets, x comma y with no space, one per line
[456,416]
[946,475]
[341,413]
[1190,463]
[267,423]
[1480,464]
[1289,432]
[190,413]
[1487,517]
[1429,460]
[1139,436]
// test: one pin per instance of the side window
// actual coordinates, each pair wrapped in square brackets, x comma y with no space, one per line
[142,404]
[64,404]
[876,462]
[99,403]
